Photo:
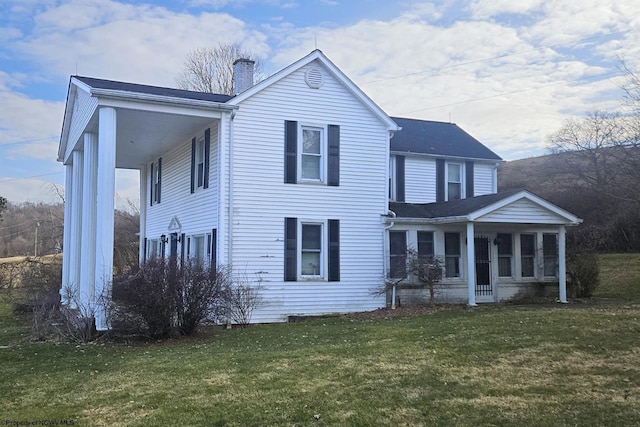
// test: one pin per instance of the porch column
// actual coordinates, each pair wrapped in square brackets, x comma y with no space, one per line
[143,212]
[471,264]
[88,245]
[562,267]
[75,236]
[105,185]
[66,237]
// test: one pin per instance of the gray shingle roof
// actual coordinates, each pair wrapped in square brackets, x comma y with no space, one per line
[438,139]
[448,209]
[152,90]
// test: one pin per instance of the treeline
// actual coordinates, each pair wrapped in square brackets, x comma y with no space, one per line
[36,229]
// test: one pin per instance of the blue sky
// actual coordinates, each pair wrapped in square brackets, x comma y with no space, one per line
[508,72]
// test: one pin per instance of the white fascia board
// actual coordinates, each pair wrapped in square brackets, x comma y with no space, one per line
[443,220]
[335,71]
[524,194]
[441,156]
[159,99]
[66,121]
[155,107]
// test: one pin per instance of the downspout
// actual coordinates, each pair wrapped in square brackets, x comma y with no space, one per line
[230,181]
[386,258]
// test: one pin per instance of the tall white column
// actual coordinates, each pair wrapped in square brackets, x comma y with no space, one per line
[66,237]
[471,264]
[105,207]
[89,200]
[143,211]
[75,236]
[562,266]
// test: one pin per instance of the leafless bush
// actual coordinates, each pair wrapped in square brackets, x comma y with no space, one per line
[242,298]
[425,271]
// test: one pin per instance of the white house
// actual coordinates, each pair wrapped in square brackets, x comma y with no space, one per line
[300,181]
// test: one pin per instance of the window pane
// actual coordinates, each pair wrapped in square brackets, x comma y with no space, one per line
[311,236]
[504,244]
[504,266]
[452,266]
[200,174]
[452,243]
[310,167]
[527,267]
[453,172]
[310,264]
[549,244]
[454,191]
[398,253]
[425,243]
[198,247]
[527,244]
[311,141]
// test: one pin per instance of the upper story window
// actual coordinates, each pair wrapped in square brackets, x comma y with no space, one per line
[312,154]
[200,159]
[454,181]
[156,181]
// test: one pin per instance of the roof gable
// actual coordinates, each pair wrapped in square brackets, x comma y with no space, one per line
[438,139]
[516,206]
[318,56]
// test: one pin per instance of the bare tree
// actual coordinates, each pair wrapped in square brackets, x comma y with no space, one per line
[3,205]
[211,69]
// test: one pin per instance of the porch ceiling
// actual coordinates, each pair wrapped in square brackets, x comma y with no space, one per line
[144,135]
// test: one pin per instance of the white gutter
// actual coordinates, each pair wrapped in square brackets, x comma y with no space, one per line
[442,220]
[441,156]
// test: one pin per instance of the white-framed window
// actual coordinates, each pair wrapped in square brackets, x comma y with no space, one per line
[155,179]
[311,250]
[505,254]
[199,247]
[153,248]
[452,254]
[455,178]
[528,254]
[200,161]
[550,254]
[312,149]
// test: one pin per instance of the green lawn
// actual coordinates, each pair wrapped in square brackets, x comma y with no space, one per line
[501,365]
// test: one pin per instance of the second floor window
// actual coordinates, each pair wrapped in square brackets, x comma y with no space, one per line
[454,181]
[200,163]
[312,154]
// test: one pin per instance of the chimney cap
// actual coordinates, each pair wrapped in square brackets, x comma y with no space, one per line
[244,60]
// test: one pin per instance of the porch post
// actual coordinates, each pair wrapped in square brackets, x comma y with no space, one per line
[75,240]
[66,237]
[88,222]
[562,267]
[143,212]
[471,264]
[105,185]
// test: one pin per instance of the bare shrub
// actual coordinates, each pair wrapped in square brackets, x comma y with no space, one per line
[241,299]
[424,271]
[583,273]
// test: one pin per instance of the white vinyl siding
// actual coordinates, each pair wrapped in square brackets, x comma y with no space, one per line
[522,212]
[261,199]
[196,212]
[84,106]
[483,179]
[420,179]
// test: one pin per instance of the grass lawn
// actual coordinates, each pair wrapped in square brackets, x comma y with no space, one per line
[492,365]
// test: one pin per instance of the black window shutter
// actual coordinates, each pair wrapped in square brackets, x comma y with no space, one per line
[214,247]
[193,164]
[144,249]
[183,244]
[440,182]
[290,249]
[158,192]
[151,187]
[400,194]
[207,155]
[334,250]
[469,178]
[290,151]
[334,156]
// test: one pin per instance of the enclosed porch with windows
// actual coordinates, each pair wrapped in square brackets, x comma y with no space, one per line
[491,248]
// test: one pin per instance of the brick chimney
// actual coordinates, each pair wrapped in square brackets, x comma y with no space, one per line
[242,75]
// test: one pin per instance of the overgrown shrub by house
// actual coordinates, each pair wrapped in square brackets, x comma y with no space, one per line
[164,297]
[583,274]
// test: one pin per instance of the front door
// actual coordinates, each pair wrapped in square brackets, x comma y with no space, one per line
[484,290]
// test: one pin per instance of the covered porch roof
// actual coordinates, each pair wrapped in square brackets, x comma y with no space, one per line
[150,119]
[515,206]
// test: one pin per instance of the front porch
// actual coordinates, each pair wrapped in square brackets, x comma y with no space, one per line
[493,248]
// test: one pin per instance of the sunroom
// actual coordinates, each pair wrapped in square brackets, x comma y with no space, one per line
[518,247]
